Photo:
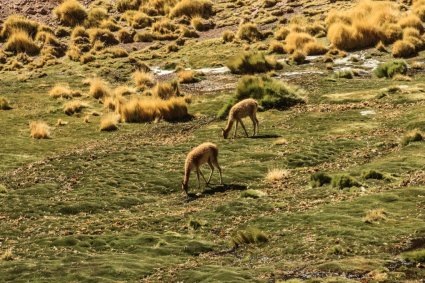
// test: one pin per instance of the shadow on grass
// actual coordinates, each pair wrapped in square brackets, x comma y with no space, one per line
[266,136]
[211,190]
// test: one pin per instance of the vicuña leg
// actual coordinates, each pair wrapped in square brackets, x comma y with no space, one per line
[236,129]
[212,171]
[243,126]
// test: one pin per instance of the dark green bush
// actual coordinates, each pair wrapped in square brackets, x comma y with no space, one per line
[319,179]
[250,63]
[372,174]
[249,236]
[270,93]
[391,68]
[344,181]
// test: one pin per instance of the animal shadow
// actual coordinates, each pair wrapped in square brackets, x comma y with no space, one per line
[211,190]
[266,136]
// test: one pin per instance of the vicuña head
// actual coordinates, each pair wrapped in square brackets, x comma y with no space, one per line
[203,153]
[245,108]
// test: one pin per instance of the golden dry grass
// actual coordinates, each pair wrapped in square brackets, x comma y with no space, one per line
[187,77]
[276,175]
[191,8]
[70,13]
[20,42]
[17,22]
[109,122]
[72,107]
[228,36]
[7,255]
[63,91]
[4,104]
[99,88]
[297,41]
[39,130]
[249,32]
[364,25]
[166,90]
[150,109]
[143,79]
[403,49]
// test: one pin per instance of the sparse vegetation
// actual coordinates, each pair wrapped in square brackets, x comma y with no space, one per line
[320,179]
[412,136]
[343,181]
[249,236]
[375,215]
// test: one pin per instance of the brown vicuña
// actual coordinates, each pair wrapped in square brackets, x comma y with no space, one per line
[203,153]
[245,108]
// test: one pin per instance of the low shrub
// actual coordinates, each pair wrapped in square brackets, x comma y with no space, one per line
[39,130]
[249,236]
[344,181]
[270,93]
[71,13]
[249,63]
[412,136]
[320,179]
[249,32]
[276,175]
[391,68]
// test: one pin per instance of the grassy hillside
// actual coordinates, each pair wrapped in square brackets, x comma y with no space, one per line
[330,190]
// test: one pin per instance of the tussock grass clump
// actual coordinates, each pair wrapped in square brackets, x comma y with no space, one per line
[151,109]
[270,93]
[7,255]
[103,35]
[4,104]
[72,107]
[187,77]
[344,181]
[411,21]
[364,25]
[275,175]
[125,36]
[124,5]
[166,90]
[391,68]
[71,13]
[143,79]
[200,24]
[228,36]
[99,88]
[418,8]
[250,62]
[39,130]
[19,23]
[403,49]
[412,136]
[320,179]
[191,8]
[298,57]
[277,47]
[375,215]
[297,40]
[417,256]
[249,236]
[63,91]
[109,123]
[249,32]
[96,16]
[116,52]
[282,33]
[373,174]
[21,42]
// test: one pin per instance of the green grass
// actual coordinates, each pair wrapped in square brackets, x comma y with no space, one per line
[92,206]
